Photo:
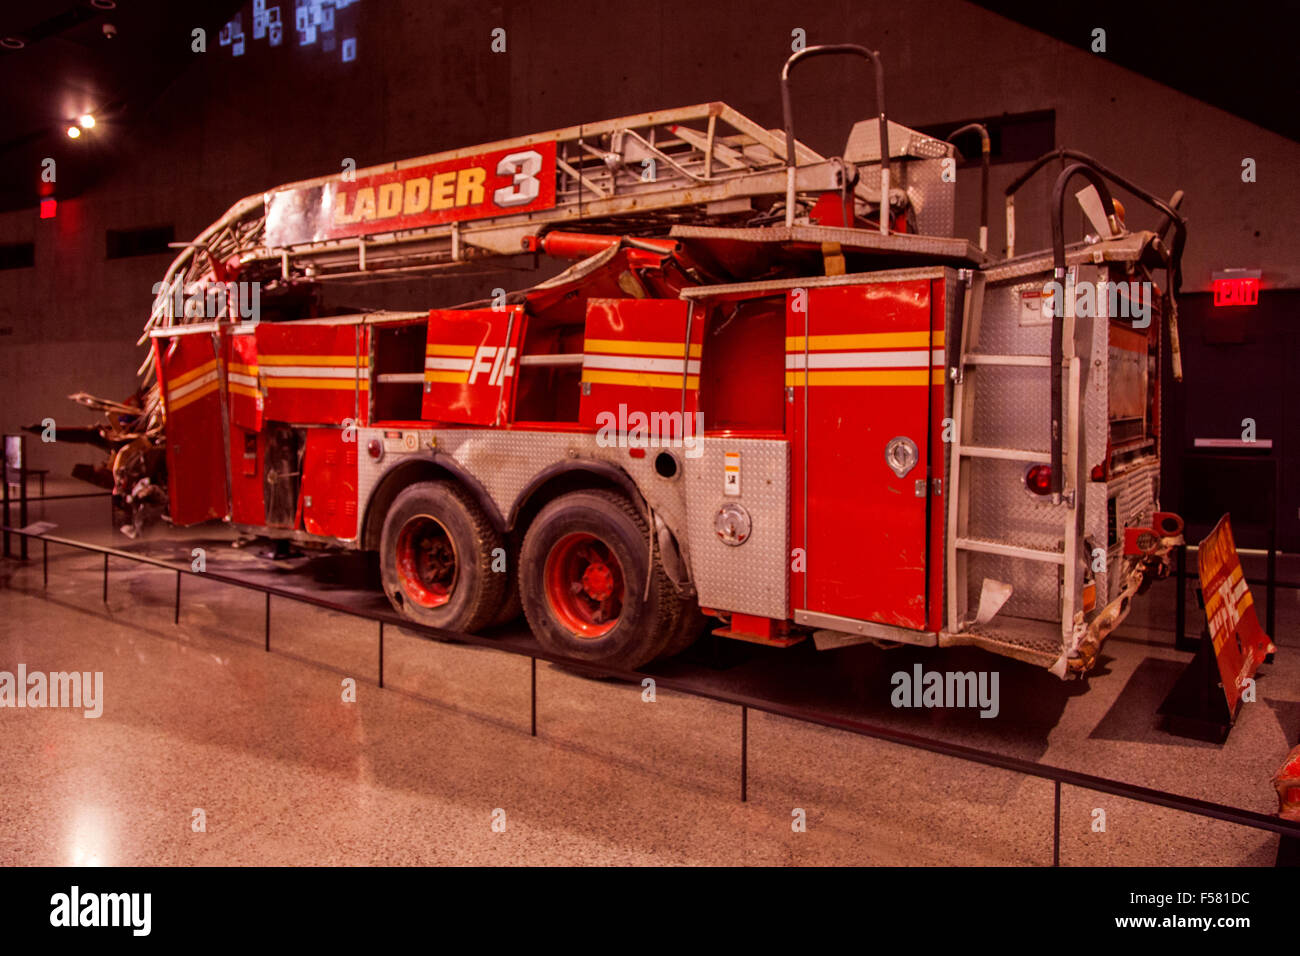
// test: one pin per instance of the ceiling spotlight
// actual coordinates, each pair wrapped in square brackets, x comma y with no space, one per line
[73,132]
[87,121]
[110,31]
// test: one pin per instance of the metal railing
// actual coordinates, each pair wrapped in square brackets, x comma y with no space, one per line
[1058,775]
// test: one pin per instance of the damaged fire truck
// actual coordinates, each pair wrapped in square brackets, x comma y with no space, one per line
[772,389]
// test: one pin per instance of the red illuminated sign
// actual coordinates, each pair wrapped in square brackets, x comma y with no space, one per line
[1243,291]
[49,208]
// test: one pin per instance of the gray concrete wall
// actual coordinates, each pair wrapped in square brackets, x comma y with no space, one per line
[425,80]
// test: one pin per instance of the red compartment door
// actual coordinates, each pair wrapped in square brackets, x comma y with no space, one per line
[314,374]
[469,365]
[639,374]
[864,370]
[196,453]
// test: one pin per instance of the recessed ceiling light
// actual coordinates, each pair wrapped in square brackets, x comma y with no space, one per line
[12,43]
[73,132]
[87,121]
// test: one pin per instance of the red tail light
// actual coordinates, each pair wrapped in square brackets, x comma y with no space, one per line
[1038,479]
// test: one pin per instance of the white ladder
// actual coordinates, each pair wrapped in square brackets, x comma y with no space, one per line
[964,450]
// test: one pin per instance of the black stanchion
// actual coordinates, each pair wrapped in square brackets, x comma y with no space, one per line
[177,618]
[533,681]
[744,754]
[381,654]
[1056,824]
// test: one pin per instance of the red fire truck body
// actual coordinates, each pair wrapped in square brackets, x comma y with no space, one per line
[843,426]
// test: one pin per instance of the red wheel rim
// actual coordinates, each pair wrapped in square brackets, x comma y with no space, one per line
[426,561]
[584,585]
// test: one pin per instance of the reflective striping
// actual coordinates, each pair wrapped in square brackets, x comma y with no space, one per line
[235,379]
[641,364]
[882,359]
[639,379]
[192,374]
[310,371]
[453,364]
[621,347]
[245,391]
[458,377]
[351,361]
[174,392]
[176,403]
[241,369]
[865,340]
[881,377]
[332,383]
[460,351]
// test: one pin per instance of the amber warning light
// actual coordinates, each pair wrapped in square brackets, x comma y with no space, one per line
[1236,287]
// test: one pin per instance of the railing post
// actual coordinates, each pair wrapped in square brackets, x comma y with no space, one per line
[1056,826]
[744,753]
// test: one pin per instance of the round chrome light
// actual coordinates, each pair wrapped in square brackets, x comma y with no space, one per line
[901,455]
[732,524]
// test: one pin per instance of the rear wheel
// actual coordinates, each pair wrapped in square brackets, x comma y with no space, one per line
[436,558]
[582,578]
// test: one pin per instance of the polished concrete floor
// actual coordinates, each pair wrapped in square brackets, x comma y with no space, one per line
[198,717]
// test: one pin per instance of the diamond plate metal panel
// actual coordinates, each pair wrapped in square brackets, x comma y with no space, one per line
[752,578]
[1036,587]
[505,462]
[1002,510]
[1012,408]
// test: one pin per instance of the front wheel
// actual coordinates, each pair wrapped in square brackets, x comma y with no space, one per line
[582,578]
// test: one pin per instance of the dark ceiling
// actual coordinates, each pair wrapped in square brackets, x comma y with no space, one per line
[1239,60]
[1239,57]
[67,65]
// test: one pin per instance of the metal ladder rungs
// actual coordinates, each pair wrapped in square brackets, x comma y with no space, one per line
[1006,454]
[1030,361]
[1010,550]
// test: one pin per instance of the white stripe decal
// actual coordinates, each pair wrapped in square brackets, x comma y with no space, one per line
[310,371]
[884,359]
[449,364]
[188,387]
[671,366]
[242,379]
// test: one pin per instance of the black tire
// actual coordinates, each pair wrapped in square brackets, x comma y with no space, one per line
[512,607]
[605,616]
[690,626]
[435,558]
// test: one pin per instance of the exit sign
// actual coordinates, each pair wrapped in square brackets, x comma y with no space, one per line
[1236,287]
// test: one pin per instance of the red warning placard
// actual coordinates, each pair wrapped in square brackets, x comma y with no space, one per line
[1240,644]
